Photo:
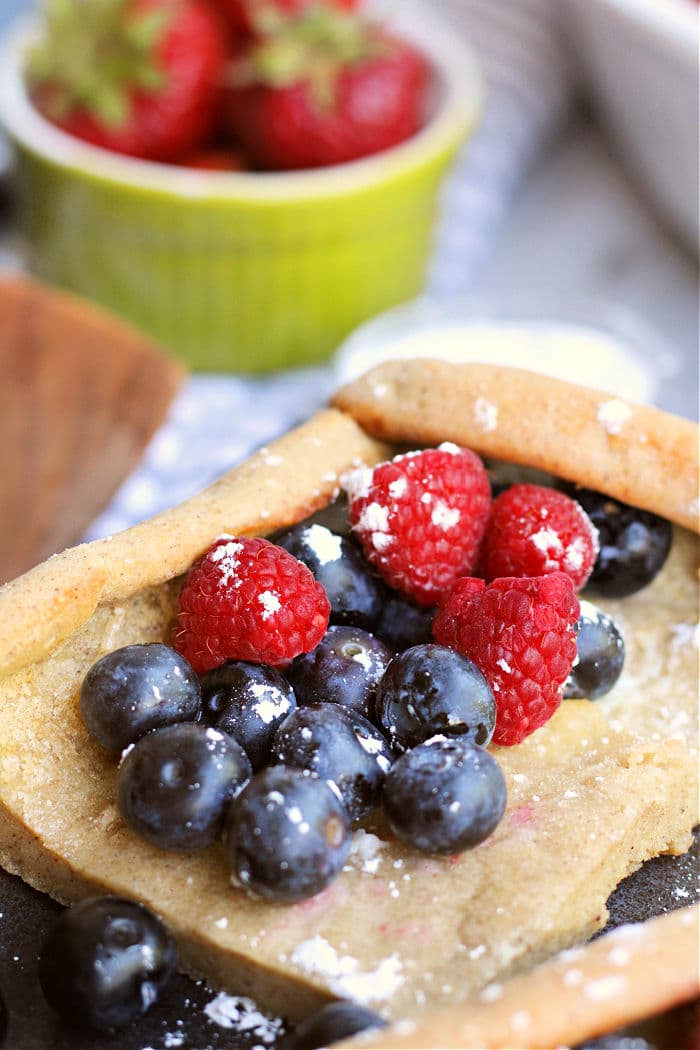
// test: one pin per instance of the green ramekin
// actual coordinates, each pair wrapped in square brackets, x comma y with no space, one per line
[240,271]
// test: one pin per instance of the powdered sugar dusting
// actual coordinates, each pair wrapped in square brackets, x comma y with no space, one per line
[612,415]
[270,603]
[342,973]
[397,488]
[546,541]
[603,988]
[326,545]
[374,518]
[233,1011]
[365,851]
[444,517]
[226,557]
[357,482]
[686,634]
[485,414]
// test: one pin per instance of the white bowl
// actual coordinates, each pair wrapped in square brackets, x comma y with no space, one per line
[641,61]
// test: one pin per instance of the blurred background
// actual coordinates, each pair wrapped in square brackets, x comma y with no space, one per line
[541,209]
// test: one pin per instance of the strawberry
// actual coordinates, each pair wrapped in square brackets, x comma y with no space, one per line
[326,89]
[255,16]
[140,77]
[216,158]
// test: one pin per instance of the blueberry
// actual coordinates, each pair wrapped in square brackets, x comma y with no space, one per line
[344,668]
[354,593]
[334,516]
[339,746]
[330,1024]
[247,701]
[105,962]
[175,784]
[135,689]
[429,690]
[402,624]
[444,796]
[634,544]
[600,657]
[287,835]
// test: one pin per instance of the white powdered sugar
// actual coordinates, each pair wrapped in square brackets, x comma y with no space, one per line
[374,518]
[604,988]
[612,415]
[485,414]
[365,852]
[234,1011]
[270,603]
[685,634]
[342,972]
[226,557]
[444,517]
[326,545]
[374,522]
[267,702]
[397,488]
[574,554]
[449,446]
[546,541]
[357,482]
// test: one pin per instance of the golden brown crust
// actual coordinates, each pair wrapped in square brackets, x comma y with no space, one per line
[630,974]
[635,453]
[46,605]
[595,801]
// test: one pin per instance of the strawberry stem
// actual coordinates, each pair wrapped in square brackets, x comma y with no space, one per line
[94,53]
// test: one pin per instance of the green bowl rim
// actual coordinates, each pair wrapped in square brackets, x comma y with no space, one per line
[451,123]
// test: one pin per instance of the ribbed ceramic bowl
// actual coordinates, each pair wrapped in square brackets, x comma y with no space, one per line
[241,271]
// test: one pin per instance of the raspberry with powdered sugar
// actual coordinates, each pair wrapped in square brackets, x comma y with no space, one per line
[248,599]
[534,530]
[420,518]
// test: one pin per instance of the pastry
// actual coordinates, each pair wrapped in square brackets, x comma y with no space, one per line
[590,797]
[635,972]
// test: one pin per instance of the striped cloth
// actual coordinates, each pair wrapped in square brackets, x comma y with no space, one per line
[218,421]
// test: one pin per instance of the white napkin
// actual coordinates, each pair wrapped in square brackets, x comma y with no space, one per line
[218,420]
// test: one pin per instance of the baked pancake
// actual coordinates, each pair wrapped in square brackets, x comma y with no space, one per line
[593,794]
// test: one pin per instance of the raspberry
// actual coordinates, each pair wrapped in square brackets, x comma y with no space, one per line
[420,518]
[247,599]
[535,530]
[520,634]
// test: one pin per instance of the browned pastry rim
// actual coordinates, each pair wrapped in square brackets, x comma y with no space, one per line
[58,617]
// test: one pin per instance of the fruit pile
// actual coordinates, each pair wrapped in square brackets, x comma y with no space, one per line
[229,85]
[364,659]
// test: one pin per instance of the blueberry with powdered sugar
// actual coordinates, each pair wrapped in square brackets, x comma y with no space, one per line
[286,836]
[430,690]
[341,747]
[247,701]
[336,562]
[600,655]
[345,668]
[175,784]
